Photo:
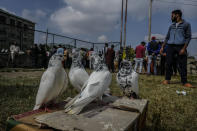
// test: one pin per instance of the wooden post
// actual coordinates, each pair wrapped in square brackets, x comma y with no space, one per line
[93,45]
[150,18]
[46,37]
[125,25]
[121,25]
[75,43]
[53,40]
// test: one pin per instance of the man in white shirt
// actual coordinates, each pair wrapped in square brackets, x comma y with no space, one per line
[14,49]
[105,51]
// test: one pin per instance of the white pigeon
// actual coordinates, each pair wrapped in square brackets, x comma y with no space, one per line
[128,80]
[53,83]
[77,74]
[98,82]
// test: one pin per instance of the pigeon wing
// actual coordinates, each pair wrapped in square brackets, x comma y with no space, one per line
[134,81]
[65,83]
[78,77]
[46,84]
[87,96]
[97,84]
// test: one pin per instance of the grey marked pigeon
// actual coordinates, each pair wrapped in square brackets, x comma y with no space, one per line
[77,74]
[127,79]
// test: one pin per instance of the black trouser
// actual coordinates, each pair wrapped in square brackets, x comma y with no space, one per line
[173,50]
[111,66]
[174,65]
[119,63]
[163,64]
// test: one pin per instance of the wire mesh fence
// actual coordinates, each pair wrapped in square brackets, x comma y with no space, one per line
[100,46]
[25,38]
[192,48]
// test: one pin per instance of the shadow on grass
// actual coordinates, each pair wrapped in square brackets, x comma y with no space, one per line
[15,100]
[156,123]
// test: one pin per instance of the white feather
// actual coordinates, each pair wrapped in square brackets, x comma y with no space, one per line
[97,83]
[134,81]
[53,83]
[78,76]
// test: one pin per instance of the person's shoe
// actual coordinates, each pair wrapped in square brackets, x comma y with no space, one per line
[188,85]
[165,82]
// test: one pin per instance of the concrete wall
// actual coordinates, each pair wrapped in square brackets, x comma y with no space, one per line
[15,29]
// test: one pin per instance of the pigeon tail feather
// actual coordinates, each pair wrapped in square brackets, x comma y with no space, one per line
[84,86]
[75,110]
[70,103]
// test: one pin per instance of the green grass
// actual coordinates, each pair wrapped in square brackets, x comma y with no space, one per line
[19,69]
[166,111]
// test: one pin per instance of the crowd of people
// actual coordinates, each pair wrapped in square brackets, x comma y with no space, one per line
[145,58]
[42,52]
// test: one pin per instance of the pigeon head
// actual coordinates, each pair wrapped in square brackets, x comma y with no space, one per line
[126,67]
[76,55]
[76,59]
[125,70]
[56,60]
[98,63]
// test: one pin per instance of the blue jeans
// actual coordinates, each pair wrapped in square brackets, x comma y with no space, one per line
[138,61]
[150,58]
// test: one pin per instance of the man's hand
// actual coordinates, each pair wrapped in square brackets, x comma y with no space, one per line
[164,54]
[161,50]
[182,51]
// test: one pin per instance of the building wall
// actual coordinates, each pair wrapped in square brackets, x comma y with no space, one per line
[15,29]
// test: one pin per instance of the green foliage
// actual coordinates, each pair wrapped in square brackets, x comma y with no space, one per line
[130,53]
